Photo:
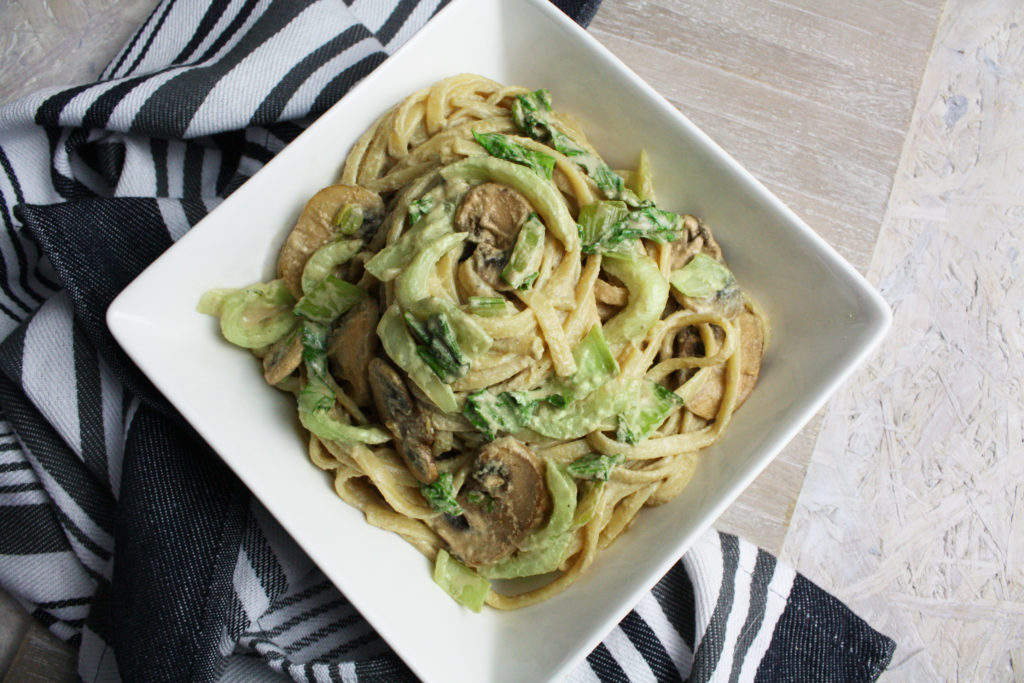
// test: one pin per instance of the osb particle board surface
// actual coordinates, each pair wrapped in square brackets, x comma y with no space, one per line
[912,510]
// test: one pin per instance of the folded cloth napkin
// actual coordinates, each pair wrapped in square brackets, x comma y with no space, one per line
[119,528]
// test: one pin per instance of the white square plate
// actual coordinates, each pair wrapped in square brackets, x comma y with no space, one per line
[825,319]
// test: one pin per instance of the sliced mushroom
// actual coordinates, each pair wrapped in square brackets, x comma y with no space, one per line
[708,398]
[283,358]
[492,214]
[351,346]
[696,239]
[504,498]
[315,227]
[411,428]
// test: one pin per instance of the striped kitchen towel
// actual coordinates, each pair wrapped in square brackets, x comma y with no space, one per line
[119,529]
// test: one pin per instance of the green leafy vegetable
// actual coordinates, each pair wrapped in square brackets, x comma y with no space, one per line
[532,115]
[328,299]
[504,412]
[595,466]
[702,277]
[595,365]
[651,405]
[524,263]
[441,495]
[503,147]
[420,208]
[438,346]
[459,581]
[618,238]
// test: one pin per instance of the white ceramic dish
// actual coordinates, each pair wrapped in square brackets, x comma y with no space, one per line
[825,319]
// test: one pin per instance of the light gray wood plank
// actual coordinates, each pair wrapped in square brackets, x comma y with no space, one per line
[814,97]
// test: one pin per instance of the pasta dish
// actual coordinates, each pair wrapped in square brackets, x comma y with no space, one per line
[500,348]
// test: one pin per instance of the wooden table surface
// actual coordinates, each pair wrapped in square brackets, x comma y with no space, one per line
[829,103]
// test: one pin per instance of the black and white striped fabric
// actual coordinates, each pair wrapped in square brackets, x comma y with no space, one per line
[119,530]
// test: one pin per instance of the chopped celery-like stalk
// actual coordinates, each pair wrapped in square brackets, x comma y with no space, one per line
[387,263]
[400,346]
[331,297]
[648,294]
[503,147]
[651,405]
[349,219]
[257,315]
[524,263]
[490,306]
[643,179]
[597,219]
[459,581]
[441,495]
[595,365]
[702,277]
[325,259]
[415,279]
[212,301]
[595,466]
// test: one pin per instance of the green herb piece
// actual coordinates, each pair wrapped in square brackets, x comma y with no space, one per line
[400,347]
[503,147]
[595,466]
[441,495]
[524,264]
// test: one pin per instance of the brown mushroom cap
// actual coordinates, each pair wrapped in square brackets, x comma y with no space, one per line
[351,346]
[283,358]
[315,227]
[492,214]
[411,428]
[504,499]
